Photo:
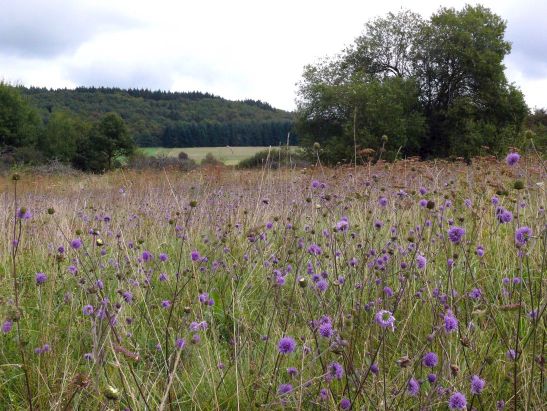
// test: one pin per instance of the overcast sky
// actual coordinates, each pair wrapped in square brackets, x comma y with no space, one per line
[237,49]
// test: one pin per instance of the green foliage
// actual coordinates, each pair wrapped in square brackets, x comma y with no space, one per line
[107,140]
[274,158]
[436,88]
[211,160]
[19,123]
[172,119]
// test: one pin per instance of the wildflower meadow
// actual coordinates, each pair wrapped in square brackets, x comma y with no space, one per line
[394,286]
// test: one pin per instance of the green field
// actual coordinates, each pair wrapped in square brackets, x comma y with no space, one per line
[228,155]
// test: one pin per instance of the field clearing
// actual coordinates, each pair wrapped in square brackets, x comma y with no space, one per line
[228,155]
[413,285]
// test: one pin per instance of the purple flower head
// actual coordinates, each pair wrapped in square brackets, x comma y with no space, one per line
[421,262]
[479,250]
[413,387]
[325,330]
[180,343]
[504,216]
[475,293]
[314,249]
[40,278]
[511,354]
[345,404]
[382,201]
[127,296]
[76,243]
[147,256]
[24,213]
[522,235]
[166,303]
[7,326]
[163,257]
[194,255]
[292,371]
[286,345]
[477,384]
[422,203]
[335,371]
[455,234]
[284,389]
[432,378]
[430,360]
[342,225]
[450,322]
[385,319]
[322,286]
[88,309]
[512,158]
[457,401]
[374,369]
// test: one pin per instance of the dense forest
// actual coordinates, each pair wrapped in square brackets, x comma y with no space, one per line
[171,119]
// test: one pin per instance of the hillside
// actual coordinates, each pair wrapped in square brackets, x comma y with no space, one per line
[172,119]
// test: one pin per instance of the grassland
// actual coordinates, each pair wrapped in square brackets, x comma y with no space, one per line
[228,155]
[318,289]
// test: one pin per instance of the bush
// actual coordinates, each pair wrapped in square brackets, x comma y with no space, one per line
[142,162]
[274,158]
[211,160]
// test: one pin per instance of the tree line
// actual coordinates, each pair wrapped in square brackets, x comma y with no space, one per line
[411,86]
[153,117]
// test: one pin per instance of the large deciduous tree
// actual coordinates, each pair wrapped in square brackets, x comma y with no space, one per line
[435,87]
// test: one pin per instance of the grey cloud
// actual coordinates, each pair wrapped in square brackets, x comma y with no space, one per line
[43,29]
[527,32]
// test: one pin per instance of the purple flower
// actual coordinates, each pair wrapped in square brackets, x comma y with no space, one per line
[335,370]
[421,262]
[511,354]
[314,249]
[194,255]
[23,213]
[41,278]
[322,285]
[166,303]
[432,378]
[293,372]
[345,404]
[479,251]
[413,387]
[504,216]
[457,401]
[7,326]
[286,345]
[284,389]
[163,257]
[385,319]
[180,343]
[475,293]
[522,235]
[430,360]
[342,225]
[147,256]
[455,234]
[326,330]
[76,243]
[127,296]
[88,309]
[382,201]
[374,369]
[512,158]
[450,322]
[477,384]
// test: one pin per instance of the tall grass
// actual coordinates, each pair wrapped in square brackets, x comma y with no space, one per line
[184,285]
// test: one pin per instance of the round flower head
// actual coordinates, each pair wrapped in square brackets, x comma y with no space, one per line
[522,235]
[88,310]
[421,262]
[76,243]
[385,319]
[286,345]
[325,330]
[23,213]
[455,234]
[41,278]
[382,201]
[345,404]
[7,326]
[180,343]
[457,401]
[284,389]
[335,370]
[477,384]
[430,360]
[450,322]
[512,158]
[413,387]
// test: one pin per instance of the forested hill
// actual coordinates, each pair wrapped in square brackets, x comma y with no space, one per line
[172,119]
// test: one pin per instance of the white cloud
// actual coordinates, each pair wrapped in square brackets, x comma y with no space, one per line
[237,49]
